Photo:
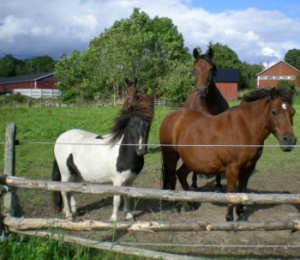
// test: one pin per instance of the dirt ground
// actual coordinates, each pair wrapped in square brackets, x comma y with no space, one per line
[275,178]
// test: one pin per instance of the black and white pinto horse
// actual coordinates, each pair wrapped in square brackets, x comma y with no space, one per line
[116,158]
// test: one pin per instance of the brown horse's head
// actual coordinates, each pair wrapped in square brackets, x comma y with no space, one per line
[131,87]
[282,114]
[131,91]
[279,115]
[204,70]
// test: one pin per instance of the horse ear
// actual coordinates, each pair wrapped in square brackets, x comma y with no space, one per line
[196,54]
[273,93]
[127,81]
[210,53]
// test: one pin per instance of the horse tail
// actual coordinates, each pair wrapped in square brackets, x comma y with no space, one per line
[57,198]
[165,176]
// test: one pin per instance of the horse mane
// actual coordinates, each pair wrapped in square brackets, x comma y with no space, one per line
[208,59]
[142,106]
[260,93]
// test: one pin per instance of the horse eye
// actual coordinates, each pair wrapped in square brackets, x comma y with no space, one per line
[274,113]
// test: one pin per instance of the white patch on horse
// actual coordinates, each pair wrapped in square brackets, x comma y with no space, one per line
[140,144]
[283,106]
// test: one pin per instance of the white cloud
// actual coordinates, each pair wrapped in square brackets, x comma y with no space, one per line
[51,27]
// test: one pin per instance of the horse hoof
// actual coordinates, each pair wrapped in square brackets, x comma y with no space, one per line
[219,189]
[113,218]
[129,217]
[229,218]
[70,219]
[193,189]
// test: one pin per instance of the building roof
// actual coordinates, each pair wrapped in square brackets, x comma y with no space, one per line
[277,64]
[26,78]
[227,75]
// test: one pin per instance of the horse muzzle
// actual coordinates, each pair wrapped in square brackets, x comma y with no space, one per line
[141,150]
[202,91]
[287,142]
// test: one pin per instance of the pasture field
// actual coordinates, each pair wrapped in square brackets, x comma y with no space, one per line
[38,128]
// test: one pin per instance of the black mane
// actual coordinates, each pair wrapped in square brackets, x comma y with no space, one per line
[142,107]
[260,93]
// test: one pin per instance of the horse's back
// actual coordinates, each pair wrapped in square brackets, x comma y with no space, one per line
[92,155]
[174,125]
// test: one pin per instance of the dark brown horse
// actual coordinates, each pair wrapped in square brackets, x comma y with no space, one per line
[231,142]
[131,91]
[206,97]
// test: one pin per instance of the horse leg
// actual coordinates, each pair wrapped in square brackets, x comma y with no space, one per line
[170,159]
[66,202]
[116,205]
[242,187]
[182,174]
[169,169]
[194,181]
[218,183]
[126,209]
[231,177]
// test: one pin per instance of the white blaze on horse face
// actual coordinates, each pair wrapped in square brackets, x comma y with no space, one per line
[140,143]
[283,106]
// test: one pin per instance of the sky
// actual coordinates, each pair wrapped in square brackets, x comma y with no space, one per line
[259,31]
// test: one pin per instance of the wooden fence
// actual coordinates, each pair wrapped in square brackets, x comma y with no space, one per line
[38,93]
[13,222]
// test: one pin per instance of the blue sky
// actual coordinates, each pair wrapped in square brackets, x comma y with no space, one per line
[291,8]
[258,31]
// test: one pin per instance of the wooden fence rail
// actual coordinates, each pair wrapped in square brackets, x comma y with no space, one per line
[133,192]
[42,223]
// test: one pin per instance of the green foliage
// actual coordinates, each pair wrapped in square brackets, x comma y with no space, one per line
[179,81]
[224,57]
[286,84]
[292,57]
[10,66]
[137,47]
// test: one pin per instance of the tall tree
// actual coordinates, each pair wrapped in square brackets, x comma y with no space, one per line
[72,71]
[292,57]
[9,66]
[224,57]
[37,65]
[136,47]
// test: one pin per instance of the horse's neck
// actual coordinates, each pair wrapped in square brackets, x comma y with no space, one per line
[254,116]
[128,158]
[214,101]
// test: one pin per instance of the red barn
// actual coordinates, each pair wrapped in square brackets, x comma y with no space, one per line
[227,81]
[279,71]
[44,80]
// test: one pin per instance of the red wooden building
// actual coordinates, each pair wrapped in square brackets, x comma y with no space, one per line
[227,81]
[34,81]
[279,71]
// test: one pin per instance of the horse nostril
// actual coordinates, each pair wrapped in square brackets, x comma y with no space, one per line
[202,91]
[286,140]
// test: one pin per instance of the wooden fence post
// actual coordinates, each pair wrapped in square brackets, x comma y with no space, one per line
[10,201]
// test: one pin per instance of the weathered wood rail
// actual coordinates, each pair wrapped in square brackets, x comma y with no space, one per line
[168,195]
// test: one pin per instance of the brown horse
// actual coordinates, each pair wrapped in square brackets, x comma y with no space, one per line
[206,97]
[131,91]
[231,142]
